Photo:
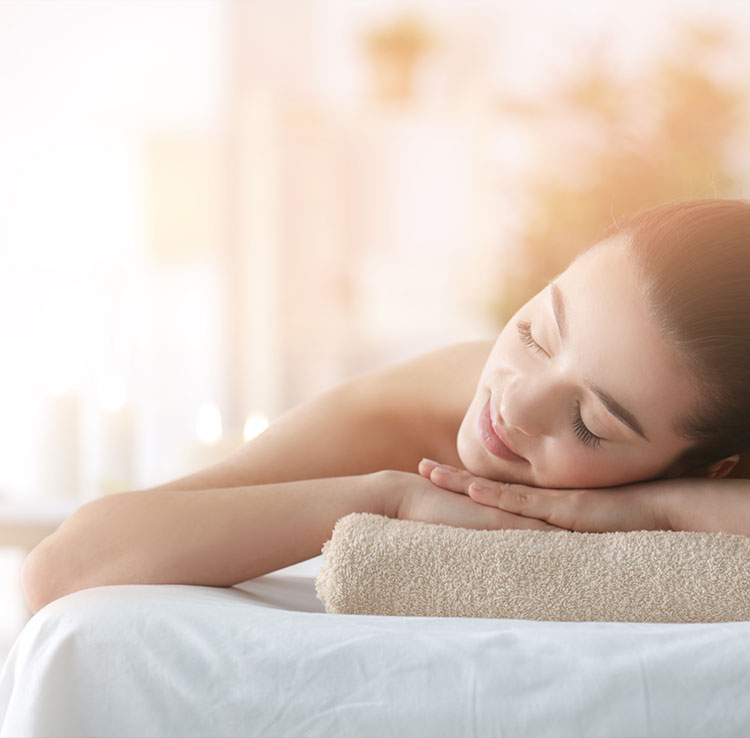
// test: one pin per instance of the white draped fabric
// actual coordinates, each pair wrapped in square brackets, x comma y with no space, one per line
[264,659]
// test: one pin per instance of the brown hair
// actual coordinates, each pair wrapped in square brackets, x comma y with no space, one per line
[693,261]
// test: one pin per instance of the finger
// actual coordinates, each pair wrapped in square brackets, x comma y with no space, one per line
[523,505]
[454,481]
[427,465]
[515,498]
[512,521]
[534,524]
[522,523]
[558,507]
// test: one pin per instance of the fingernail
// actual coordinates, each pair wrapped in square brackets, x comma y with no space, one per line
[448,466]
[443,471]
[476,487]
[438,465]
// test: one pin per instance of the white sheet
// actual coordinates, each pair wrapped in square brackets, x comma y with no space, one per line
[263,659]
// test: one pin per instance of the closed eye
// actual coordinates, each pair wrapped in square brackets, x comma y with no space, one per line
[584,435]
[524,330]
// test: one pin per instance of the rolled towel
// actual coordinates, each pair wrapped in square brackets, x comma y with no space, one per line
[375,565]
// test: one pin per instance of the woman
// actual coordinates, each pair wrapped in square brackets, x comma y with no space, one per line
[613,400]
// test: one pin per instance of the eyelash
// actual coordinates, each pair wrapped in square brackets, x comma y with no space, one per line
[584,434]
[524,330]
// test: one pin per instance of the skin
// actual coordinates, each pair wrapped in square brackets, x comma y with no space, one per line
[535,389]
[357,448]
[535,383]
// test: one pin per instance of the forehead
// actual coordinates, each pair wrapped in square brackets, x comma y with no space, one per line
[613,341]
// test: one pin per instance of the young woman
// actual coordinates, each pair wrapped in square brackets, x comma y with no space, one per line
[615,399]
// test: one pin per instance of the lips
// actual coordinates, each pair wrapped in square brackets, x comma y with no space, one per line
[493,437]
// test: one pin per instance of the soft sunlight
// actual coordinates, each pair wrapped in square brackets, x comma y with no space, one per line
[208,423]
[254,426]
[213,211]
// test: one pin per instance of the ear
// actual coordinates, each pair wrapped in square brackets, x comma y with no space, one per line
[717,469]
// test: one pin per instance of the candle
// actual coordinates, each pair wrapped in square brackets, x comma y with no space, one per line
[59,463]
[115,457]
[212,444]
[255,424]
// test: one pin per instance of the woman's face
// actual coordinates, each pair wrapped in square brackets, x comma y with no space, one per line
[581,384]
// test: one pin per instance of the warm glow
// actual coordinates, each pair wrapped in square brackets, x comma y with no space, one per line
[208,423]
[234,202]
[254,426]
[112,393]
[59,382]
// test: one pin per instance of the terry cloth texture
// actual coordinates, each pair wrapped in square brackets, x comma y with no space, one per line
[374,565]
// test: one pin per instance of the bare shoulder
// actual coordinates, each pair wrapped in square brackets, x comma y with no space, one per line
[385,419]
[424,399]
[443,379]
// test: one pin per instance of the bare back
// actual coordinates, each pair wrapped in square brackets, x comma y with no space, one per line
[386,419]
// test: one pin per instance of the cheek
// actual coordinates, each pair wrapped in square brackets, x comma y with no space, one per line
[570,465]
[565,463]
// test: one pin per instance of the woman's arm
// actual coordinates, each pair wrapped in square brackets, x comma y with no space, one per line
[276,500]
[686,503]
[216,537]
[710,505]
[225,536]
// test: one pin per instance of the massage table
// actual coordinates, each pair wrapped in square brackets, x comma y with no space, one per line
[264,659]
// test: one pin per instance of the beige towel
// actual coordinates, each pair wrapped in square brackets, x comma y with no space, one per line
[380,566]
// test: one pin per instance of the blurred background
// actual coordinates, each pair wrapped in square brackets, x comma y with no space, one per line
[212,210]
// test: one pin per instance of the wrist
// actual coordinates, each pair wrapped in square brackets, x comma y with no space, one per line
[384,490]
[673,502]
[658,499]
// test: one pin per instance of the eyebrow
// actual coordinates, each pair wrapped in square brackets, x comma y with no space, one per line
[558,308]
[609,402]
[614,407]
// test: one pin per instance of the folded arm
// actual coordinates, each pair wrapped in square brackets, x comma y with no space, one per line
[275,501]
[688,503]
[215,537]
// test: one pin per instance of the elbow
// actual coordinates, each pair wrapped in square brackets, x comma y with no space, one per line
[44,574]
[36,576]
[80,554]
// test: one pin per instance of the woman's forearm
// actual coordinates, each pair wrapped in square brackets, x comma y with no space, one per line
[213,537]
[708,505]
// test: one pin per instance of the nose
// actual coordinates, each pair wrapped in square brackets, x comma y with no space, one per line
[529,403]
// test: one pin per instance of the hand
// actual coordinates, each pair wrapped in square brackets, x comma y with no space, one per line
[601,510]
[417,498]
